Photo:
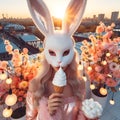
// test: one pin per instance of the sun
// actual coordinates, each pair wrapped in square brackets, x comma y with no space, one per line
[59,13]
[57,7]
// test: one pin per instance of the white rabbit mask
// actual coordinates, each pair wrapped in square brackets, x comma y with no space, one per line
[59,45]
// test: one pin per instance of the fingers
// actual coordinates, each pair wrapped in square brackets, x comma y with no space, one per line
[54,102]
[54,95]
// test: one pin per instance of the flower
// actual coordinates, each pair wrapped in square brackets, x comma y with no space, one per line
[113,66]
[23,84]
[111,83]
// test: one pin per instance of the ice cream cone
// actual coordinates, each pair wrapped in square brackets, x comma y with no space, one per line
[58,89]
[59,81]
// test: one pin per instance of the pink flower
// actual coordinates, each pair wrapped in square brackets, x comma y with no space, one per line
[111,83]
[116,74]
[113,49]
[98,68]
[95,58]
[108,35]
[101,77]
[20,99]
[113,66]
[119,51]
[113,25]
[3,88]
[99,52]
[105,45]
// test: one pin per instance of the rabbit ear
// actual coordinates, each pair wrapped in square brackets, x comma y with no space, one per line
[41,16]
[73,16]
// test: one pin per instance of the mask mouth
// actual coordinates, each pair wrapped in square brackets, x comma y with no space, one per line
[63,68]
[58,67]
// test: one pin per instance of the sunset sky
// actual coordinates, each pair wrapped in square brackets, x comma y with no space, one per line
[18,8]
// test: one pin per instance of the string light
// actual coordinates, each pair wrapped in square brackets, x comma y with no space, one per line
[104,62]
[80,66]
[8,81]
[84,77]
[3,75]
[119,88]
[7,112]
[92,86]
[11,98]
[108,54]
[89,68]
[103,91]
[112,102]
[109,75]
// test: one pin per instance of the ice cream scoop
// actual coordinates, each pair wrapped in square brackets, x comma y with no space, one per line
[59,81]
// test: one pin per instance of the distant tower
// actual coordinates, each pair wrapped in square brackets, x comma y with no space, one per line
[114,16]
[94,17]
[101,17]
[3,16]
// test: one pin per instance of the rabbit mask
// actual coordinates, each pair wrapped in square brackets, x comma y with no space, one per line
[58,45]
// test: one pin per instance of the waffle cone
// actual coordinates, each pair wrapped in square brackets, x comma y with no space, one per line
[58,89]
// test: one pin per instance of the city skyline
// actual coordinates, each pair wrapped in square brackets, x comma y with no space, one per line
[20,9]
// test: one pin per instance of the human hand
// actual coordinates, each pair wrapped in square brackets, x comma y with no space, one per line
[54,102]
[91,108]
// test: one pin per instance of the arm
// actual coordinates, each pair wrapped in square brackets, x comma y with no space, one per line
[42,113]
[31,112]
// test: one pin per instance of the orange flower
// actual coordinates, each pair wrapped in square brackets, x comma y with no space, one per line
[99,29]
[4,64]
[8,48]
[23,84]
[25,50]
[18,70]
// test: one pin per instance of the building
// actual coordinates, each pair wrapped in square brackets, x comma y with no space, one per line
[101,17]
[114,16]
[30,39]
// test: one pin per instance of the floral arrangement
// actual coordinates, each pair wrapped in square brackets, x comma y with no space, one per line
[101,56]
[16,73]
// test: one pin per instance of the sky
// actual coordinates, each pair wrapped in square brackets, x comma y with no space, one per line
[19,9]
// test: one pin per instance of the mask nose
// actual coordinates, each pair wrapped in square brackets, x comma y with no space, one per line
[59,59]
[59,62]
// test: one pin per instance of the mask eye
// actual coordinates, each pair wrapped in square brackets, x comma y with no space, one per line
[52,53]
[66,52]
